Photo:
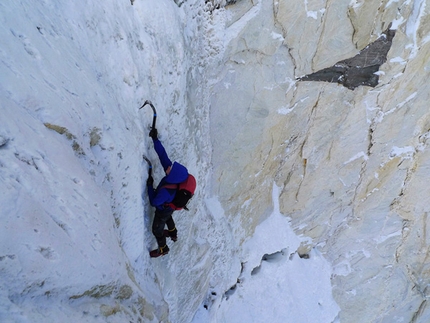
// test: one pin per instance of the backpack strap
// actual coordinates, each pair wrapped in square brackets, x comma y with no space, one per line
[171,186]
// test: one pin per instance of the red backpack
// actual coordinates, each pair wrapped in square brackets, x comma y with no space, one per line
[184,192]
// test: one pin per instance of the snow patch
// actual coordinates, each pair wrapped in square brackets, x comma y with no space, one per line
[359,155]
[381,239]
[405,152]
[275,277]
[277,36]
[286,110]
[409,98]
[413,24]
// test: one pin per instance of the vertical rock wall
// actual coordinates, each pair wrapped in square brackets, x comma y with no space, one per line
[353,164]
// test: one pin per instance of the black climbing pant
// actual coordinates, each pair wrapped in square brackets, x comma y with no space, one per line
[161,219]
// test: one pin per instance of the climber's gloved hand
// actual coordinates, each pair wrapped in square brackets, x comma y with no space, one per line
[149,181]
[153,133]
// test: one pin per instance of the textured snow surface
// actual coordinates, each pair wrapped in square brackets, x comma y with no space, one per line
[311,204]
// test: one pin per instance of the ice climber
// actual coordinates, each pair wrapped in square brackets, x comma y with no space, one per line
[162,197]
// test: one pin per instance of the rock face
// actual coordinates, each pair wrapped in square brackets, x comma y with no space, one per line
[352,164]
[362,69]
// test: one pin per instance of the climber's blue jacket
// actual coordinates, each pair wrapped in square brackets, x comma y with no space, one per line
[178,173]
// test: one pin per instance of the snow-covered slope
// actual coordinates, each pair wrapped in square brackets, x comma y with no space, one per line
[76,231]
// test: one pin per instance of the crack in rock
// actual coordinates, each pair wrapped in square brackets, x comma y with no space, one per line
[358,70]
[419,311]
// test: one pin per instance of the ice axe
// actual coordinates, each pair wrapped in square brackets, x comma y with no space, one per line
[154,119]
[149,164]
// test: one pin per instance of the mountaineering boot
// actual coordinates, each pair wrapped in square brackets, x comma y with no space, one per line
[172,234]
[160,251]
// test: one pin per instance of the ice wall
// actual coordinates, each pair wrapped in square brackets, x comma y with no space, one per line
[352,164]
[76,226]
